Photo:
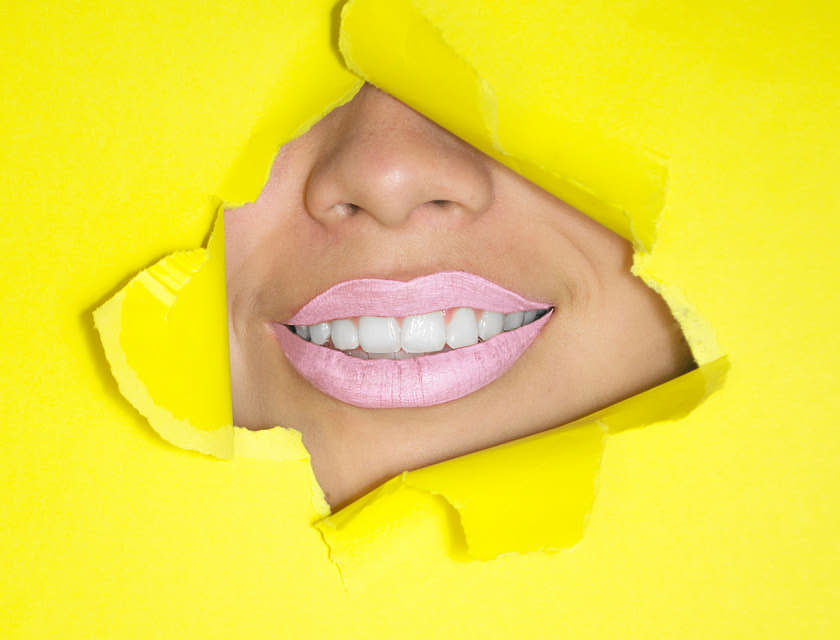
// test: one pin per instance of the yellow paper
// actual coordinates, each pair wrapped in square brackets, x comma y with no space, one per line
[164,333]
[126,125]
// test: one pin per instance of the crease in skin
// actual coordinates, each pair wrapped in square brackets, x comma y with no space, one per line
[169,380]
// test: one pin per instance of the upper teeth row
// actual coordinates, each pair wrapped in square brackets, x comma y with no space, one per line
[426,333]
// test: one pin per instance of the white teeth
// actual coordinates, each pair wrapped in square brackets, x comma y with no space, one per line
[513,320]
[344,334]
[463,329]
[490,324]
[319,333]
[379,335]
[421,334]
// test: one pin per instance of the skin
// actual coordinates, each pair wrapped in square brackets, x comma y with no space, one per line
[375,190]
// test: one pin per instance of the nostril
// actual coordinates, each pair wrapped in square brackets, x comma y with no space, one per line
[348,208]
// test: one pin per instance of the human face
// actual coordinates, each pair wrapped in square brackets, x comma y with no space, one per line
[376,191]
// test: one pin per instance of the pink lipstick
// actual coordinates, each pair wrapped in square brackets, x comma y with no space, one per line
[385,344]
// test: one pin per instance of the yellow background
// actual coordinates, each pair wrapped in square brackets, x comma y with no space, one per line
[120,124]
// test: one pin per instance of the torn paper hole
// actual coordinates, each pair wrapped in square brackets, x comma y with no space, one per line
[165,301]
[151,313]
[404,292]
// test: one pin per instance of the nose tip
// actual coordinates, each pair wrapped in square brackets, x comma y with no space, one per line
[387,161]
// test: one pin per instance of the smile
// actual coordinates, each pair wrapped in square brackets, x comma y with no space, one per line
[389,344]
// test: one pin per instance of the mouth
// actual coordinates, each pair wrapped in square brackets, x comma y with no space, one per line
[388,344]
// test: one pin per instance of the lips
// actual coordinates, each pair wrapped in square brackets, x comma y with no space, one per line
[417,381]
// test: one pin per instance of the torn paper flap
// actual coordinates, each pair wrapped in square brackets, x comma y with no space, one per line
[621,186]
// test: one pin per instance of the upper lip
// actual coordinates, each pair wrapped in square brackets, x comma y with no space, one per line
[394,298]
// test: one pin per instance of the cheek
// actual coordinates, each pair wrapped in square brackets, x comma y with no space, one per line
[237,239]
[643,344]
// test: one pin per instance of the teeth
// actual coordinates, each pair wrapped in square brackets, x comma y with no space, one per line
[490,324]
[463,329]
[344,335]
[513,320]
[372,337]
[319,333]
[422,334]
[379,335]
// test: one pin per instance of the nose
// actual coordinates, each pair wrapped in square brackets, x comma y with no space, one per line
[385,160]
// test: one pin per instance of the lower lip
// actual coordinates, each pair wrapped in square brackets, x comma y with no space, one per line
[416,382]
